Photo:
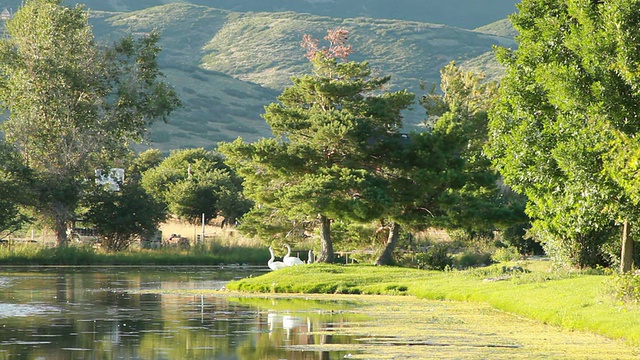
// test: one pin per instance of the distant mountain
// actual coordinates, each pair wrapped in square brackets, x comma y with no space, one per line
[467,14]
[500,28]
[227,65]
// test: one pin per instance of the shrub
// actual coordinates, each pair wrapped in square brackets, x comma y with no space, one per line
[473,259]
[516,236]
[506,254]
[435,258]
[626,287]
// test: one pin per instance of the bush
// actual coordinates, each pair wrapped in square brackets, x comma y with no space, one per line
[435,258]
[473,259]
[626,287]
[516,236]
[507,254]
[480,241]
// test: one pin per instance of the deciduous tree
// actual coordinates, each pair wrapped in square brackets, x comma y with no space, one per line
[124,216]
[16,183]
[193,182]
[569,96]
[73,104]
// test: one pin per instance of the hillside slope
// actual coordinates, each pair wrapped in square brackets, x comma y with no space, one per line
[227,65]
[468,14]
[259,52]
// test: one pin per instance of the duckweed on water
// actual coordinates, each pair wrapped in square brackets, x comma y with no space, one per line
[570,300]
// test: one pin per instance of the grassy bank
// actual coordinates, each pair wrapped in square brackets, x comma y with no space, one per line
[573,301]
[212,254]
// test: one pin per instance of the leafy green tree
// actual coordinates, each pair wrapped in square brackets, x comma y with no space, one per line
[441,177]
[16,181]
[193,182]
[146,160]
[330,129]
[569,96]
[74,105]
[124,216]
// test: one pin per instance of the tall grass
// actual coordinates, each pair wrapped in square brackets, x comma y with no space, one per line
[220,246]
[36,254]
[201,254]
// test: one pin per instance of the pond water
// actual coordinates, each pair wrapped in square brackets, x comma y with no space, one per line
[146,313]
[109,313]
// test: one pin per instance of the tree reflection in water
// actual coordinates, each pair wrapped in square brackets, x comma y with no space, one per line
[67,313]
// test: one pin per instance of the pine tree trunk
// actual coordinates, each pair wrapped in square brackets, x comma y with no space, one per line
[386,258]
[326,251]
[626,256]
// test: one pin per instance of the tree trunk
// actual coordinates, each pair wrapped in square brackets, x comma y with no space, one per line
[326,251]
[61,231]
[61,216]
[626,256]
[386,258]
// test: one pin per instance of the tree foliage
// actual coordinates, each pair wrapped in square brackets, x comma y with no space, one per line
[16,183]
[568,99]
[193,182]
[469,198]
[331,128]
[144,161]
[73,104]
[124,216]
[441,177]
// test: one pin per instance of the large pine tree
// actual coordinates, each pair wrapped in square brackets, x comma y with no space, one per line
[330,129]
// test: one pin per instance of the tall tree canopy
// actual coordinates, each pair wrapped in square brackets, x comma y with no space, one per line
[73,104]
[441,177]
[16,182]
[330,128]
[193,182]
[569,97]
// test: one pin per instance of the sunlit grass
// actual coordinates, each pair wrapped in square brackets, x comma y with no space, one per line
[200,254]
[221,246]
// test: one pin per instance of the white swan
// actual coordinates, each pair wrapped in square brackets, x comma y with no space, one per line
[291,260]
[275,265]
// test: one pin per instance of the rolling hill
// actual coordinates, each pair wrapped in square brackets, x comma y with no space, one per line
[227,62]
[467,14]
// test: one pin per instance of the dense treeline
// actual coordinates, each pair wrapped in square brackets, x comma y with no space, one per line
[563,131]
[74,106]
[557,134]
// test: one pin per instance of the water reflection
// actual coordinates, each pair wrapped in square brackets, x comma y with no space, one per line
[75,313]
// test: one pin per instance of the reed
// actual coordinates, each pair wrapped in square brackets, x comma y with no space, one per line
[201,254]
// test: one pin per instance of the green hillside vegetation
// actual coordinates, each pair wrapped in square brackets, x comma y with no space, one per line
[228,65]
[264,47]
[487,63]
[499,28]
[460,13]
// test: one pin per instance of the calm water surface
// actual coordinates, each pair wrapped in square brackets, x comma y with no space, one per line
[99,313]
